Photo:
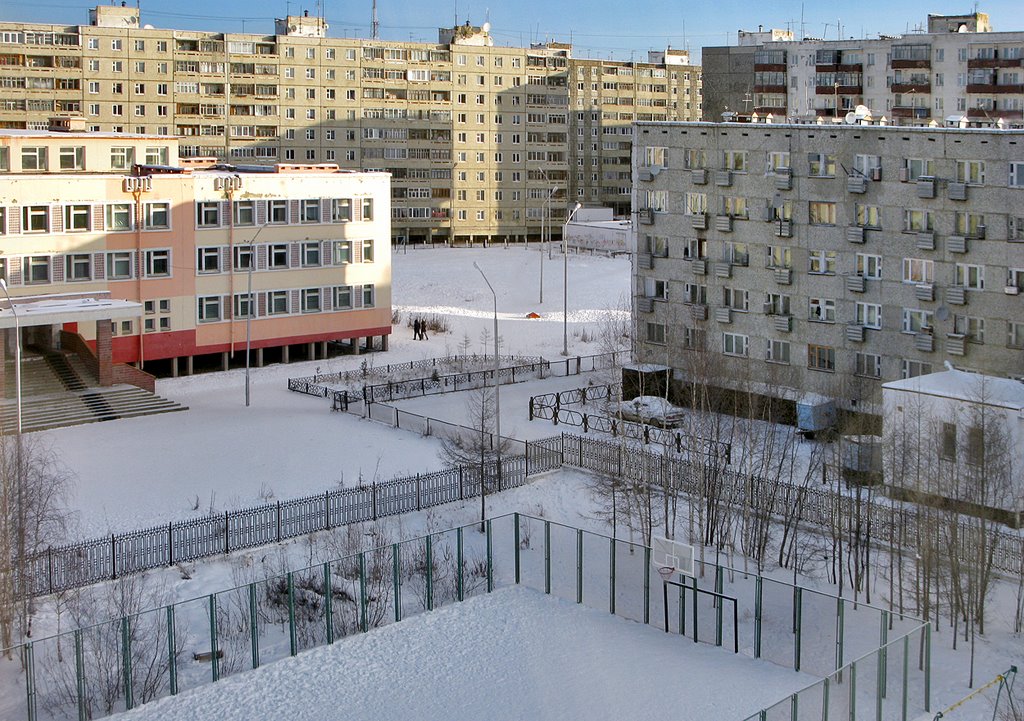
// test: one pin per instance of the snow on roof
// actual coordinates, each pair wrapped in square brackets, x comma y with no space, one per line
[54,311]
[964,386]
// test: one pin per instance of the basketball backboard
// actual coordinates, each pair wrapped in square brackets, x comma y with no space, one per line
[670,557]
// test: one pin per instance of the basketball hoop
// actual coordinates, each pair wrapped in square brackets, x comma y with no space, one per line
[666,572]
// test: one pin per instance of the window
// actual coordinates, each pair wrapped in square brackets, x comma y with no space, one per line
[77,218]
[971,172]
[311,253]
[209,308]
[158,263]
[368,251]
[734,206]
[822,213]
[868,365]
[78,267]
[777,304]
[1015,334]
[821,309]
[277,211]
[975,445]
[277,255]
[310,211]
[971,327]
[367,208]
[654,288]
[736,254]
[695,159]
[655,157]
[821,357]
[917,168]
[119,265]
[277,302]
[736,298]
[917,321]
[869,315]
[868,216]
[36,269]
[121,158]
[947,449]
[343,297]
[695,248]
[735,160]
[368,296]
[778,351]
[779,256]
[72,158]
[33,158]
[208,214]
[1017,174]
[310,299]
[696,203]
[971,225]
[821,165]
[918,271]
[913,368]
[695,293]
[734,344]
[864,165]
[342,252]
[245,212]
[777,160]
[822,262]
[656,333]
[244,306]
[869,266]
[208,260]
[970,276]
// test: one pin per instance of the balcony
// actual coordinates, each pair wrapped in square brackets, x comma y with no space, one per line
[699,221]
[645,305]
[699,176]
[956,344]
[723,270]
[925,291]
[856,184]
[771,89]
[957,191]
[924,342]
[910,63]
[723,223]
[699,311]
[994,89]
[783,323]
[644,261]
[855,234]
[763,110]
[993,114]
[925,88]
[699,267]
[976,63]
[841,90]
[956,244]
[911,112]
[855,332]
[723,315]
[723,178]
[956,295]
[856,283]
[784,276]
[925,240]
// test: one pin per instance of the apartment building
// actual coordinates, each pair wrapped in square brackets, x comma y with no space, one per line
[829,258]
[289,258]
[476,136]
[958,72]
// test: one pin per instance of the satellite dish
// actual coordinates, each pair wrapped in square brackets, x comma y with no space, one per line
[486,27]
[147,27]
[862,110]
[851,118]
[942,313]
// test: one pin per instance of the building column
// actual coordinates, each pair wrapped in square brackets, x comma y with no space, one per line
[355,345]
[384,342]
[174,367]
[189,365]
[284,354]
[323,349]
[104,353]
[259,357]
[312,351]
[224,360]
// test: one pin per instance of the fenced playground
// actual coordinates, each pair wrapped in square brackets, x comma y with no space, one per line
[869,663]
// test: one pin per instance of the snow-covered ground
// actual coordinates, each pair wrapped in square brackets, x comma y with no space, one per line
[220,455]
[513,654]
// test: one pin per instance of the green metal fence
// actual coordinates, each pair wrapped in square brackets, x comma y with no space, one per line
[114,665]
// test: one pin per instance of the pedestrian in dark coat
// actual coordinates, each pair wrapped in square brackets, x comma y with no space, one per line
[416,329]
[423,329]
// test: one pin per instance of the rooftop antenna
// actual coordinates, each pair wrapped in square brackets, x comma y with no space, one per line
[803,30]
[375,23]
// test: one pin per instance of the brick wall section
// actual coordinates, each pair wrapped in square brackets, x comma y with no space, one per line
[120,373]
[104,373]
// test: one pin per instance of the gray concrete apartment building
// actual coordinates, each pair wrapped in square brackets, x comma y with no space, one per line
[956,71]
[829,258]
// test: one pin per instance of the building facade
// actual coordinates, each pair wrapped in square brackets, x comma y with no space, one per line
[475,136]
[958,72]
[289,259]
[829,259]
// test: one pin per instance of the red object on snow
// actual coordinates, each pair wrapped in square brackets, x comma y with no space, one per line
[532,315]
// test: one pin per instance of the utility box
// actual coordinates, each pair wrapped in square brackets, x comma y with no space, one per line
[815,414]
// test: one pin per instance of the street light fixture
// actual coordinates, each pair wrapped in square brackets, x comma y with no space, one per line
[497,402]
[565,281]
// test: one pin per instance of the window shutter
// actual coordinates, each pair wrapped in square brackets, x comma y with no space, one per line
[357,208]
[137,264]
[325,210]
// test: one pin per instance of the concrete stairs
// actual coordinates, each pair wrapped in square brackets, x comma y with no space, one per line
[58,391]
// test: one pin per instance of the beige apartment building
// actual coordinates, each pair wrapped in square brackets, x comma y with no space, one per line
[828,259]
[480,140]
[283,261]
[956,71]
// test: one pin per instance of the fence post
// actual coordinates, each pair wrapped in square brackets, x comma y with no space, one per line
[526,457]
[840,631]
[170,543]
[490,556]
[547,557]
[515,533]
[647,585]
[30,680]
[327,510]
[254,635]
[362,592]
[113,556]
[80,675]
[461,589]
[430,574]
[461,490]
[328,606]
[419,491]
[611,575]
[396,579]
[49,568]
[214,661]
[373,498]
[293,641]
[126,662]
[797,623]
[279,521]
[531,408]
[226,549]
[758,610]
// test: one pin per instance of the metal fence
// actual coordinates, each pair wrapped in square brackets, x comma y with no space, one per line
[450,383]
[872,664]
[80,564]
[367,374]
[820,506]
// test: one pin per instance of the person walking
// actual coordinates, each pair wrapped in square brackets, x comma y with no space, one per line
[416,329]
[423,329]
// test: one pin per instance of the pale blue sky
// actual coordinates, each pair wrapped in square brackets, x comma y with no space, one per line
[601,28]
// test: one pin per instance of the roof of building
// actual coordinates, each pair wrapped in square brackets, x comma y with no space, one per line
[964,386]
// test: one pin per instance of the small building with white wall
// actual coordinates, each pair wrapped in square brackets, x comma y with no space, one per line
[597,229]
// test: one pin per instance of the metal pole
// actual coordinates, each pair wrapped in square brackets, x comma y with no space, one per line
[497,397]
[251,308]
[565,283]
[18,445]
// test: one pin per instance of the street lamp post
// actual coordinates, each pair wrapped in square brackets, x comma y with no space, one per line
[565,282]
[497,401]
[250,308]
[17,356]
[18,470]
